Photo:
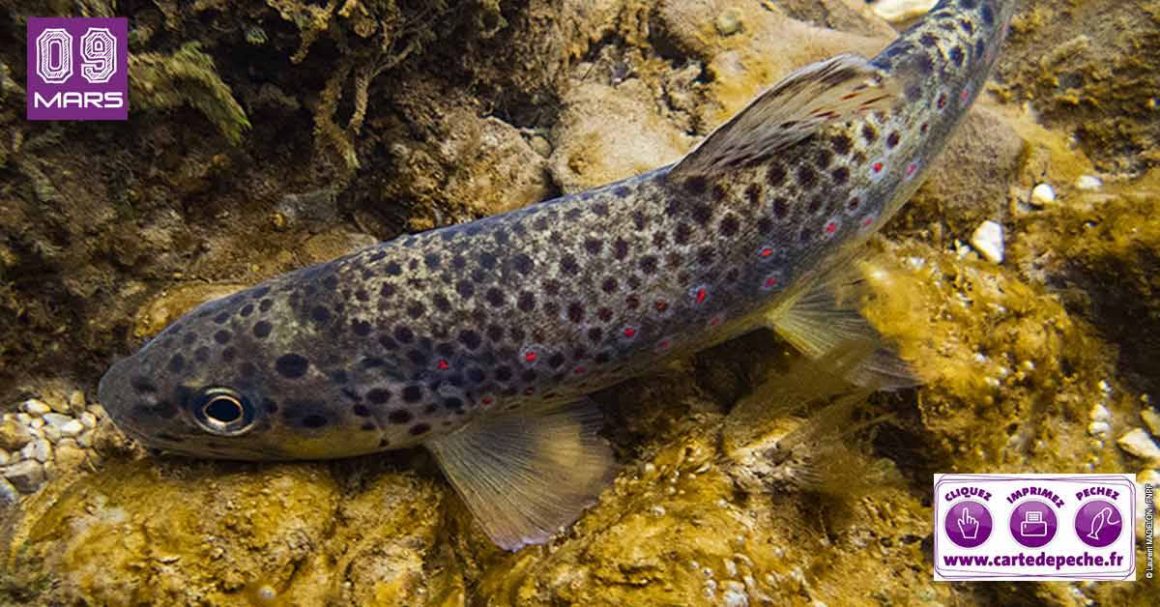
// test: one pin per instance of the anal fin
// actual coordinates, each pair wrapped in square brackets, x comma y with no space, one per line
[525,474]
[825,317]
[823,93]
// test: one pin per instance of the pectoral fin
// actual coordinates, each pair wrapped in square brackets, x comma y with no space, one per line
[826,317]
[525,474]
[823,93]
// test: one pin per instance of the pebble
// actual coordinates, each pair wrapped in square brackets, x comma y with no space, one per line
[896,11]
[988,241]
[1099,429]
[72,428]
[1137,442]
[76,401]
[35,407]
[27,476]
[56,420]
[52,433]
[13,434]
[88,420]
[69,455]
[8,493]
[1100,413]
[39,450]
[1088,182]
[4,457]
[1151,420]
[1042,194]
[729,21]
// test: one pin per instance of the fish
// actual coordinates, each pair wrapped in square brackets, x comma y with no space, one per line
[483,341]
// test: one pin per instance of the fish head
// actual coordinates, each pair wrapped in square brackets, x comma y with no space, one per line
[208,387]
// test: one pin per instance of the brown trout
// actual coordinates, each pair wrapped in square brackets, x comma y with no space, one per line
[480,341]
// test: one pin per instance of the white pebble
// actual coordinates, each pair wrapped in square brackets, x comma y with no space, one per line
[1137,442]
[4,457]
[1152,420]
[52,433]
[26,476]
[89,420]
[988,241]
[35,407]
[39,450]
[1088,182]
[36,424]
[76,401]
[56,419]
[23,418]
[1099,429]
[72,428]
[1042,194]
[8,493]
[1100,413]
[896,11]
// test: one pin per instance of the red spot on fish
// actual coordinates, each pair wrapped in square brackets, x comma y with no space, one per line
[581,370]
[716,320]
[771,282]
[700,295]
[661,306]
[911,169]
[765,252]
[965,95]
[831,227]
[664,344]
[868,221]
[442,365]
[877,167]
[487,401]
[630,332]
[530,356]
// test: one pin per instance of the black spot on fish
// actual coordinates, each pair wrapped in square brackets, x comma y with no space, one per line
[441,302]
[189,338]
[892,140]
[291,365]
[775,175]
[378,396]
[696,185]
[503,373]
[314,421]
[807,177]
[176,363]
[246,310]
[576,311]
[682,233]
[361,411]
[869,133]
[393,269]
[701,213]
[523,264]
[404,335]
[988,16]
[593,245]
[387,290]
[957,56]
[495,297]
[928,40]
[320,314]
[412,394]
[228,354]
[841,144]
[729,225]
[487,260]
[648,264]
[780,207]
[142,385]
[465,289]
[416,310]
[620,248]
[840,175]
[221,318]
[526,301]
[824,158]
[419,429]
[753,194]
[568,264]
[201,354]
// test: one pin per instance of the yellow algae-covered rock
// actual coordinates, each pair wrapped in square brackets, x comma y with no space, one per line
[1010,375]
[171,533]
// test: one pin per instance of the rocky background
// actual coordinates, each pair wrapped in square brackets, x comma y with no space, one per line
[265,136]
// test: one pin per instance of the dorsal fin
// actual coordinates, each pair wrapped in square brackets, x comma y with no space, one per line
[834,90]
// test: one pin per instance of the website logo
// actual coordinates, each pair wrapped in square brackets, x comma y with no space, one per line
[77,69]
[1034,527]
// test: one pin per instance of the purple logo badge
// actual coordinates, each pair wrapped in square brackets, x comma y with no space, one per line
[968,523]
[1033,523]
[77,69]
[1098,523]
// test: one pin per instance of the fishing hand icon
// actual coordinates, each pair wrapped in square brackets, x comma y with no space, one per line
[968,525]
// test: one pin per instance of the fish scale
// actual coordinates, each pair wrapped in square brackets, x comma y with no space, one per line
[423,339]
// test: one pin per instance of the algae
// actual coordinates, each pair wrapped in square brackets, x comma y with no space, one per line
[369,119]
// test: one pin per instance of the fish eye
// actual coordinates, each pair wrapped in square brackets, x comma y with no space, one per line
[223,411]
